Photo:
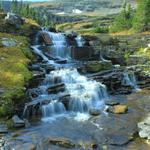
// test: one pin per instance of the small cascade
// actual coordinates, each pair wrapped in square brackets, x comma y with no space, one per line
[59,48]
[129,79]
[53,108]
[80,41]
[64,90]
[84,94]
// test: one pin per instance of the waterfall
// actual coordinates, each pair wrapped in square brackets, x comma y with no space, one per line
[80,41]
[84,94]
[59,48]
[129,79]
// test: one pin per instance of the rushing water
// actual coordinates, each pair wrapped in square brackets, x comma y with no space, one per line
[80,41]
[129,79]
[84,94]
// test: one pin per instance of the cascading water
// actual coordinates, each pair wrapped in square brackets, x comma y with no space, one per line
[59,49]
[84,94]
[129,79]
[80,41]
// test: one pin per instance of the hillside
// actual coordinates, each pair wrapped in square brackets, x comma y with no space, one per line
[84,6]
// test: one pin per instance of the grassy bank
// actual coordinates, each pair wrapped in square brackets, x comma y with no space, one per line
[14,73]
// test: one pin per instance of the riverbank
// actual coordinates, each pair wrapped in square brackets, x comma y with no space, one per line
[15,55]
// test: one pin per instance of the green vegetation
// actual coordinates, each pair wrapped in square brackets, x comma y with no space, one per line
[138,20]
[124,20]
[13,72]
[141,20]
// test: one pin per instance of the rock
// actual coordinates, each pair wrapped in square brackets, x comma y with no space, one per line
[2,142]
[61,61]
[96,66]
[44,38]
[137,59]
[62,142]
[14,20]
[25,146]
[144,128]
[94,111]
[3,129]
[115,57]
[56,88]
[111,102]
[8,42]
[17,122]
[118,109]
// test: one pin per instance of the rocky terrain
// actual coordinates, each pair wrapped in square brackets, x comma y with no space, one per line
[37,87]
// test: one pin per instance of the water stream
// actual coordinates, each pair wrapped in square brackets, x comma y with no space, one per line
[84,94]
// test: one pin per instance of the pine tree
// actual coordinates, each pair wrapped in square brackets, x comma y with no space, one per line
[124,19]
[141,20]
[14,6]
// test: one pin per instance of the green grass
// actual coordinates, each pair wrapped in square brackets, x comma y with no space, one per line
[13,72]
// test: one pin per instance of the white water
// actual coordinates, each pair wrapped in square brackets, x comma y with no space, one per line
[60,48]
[80,41]
[84,94]
[129,79]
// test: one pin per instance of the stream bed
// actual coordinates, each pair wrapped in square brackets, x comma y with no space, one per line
[69,111]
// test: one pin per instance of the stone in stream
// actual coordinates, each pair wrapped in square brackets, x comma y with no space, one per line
[17,122]
[144,128]
[61,61]
[3,129]
[56,88]
[118,109]
[62,142]
[94,111]
[111,102]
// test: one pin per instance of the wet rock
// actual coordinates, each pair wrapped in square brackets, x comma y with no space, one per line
[14,20]
[17,122]
[38,74]
[3,129]
[2,142]
[61,61]
[8,42]
[65,98]
[94,112]
[118,109]
[111,102]
[144,128]
[62,142]
[25,146]
[96,66]
[56,88]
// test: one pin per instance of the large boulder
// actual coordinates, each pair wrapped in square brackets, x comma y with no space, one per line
[14,20]
[96,66]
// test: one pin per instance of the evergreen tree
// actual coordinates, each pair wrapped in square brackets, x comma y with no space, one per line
[14,6]
[141,20]
[124,20]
